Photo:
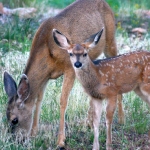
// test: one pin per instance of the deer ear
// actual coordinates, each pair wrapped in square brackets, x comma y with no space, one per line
[61,40]
[9,85]
[23,88]
[94,39]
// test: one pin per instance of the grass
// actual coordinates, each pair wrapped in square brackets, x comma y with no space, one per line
[22,3]
[15,41]
[117,5]
[10,39]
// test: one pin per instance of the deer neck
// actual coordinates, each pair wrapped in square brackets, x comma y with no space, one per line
[87,75]
[37,71]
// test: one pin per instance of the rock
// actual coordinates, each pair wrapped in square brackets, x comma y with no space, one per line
[21,12]
[139,30]
[143,13]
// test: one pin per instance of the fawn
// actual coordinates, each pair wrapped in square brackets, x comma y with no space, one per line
[47,61]
[107,78]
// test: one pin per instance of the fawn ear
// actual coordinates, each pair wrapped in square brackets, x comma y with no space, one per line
[94,39]
[23,88]
[61,40]
[9,85]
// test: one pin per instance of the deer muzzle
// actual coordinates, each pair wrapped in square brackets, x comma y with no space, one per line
[78,64]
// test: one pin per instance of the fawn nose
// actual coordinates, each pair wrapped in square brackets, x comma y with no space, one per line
[14,121]
[77,64]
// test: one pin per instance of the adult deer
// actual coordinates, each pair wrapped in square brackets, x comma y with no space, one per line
[107,78]
[48,61]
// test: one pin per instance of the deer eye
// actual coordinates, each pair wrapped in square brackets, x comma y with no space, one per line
[84,55]
[70,54]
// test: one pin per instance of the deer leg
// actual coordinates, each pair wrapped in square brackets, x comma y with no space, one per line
[111,48]
[37,114]
[144,93]
[97,110]
[110,109]
[68,81]
[121,118]
[89,120]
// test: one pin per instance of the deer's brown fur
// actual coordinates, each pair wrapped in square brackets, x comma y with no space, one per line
[107,78]
[48,61]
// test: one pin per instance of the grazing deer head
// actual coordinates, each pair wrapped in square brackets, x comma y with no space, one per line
[18,112]
[108,78]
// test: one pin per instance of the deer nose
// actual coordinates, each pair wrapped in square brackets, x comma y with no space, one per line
[77,64]
[14,121]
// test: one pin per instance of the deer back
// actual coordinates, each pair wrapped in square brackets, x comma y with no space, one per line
[125,72]
[77,22]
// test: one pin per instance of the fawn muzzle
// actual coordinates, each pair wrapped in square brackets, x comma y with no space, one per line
[78,64]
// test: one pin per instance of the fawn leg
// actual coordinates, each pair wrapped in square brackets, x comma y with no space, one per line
[144,93]
[111,51]
[68,81]
[110,109]
[89,120]
[97,110]
[121,118]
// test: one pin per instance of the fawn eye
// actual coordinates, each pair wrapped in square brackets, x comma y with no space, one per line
[70,54]
[84,55]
